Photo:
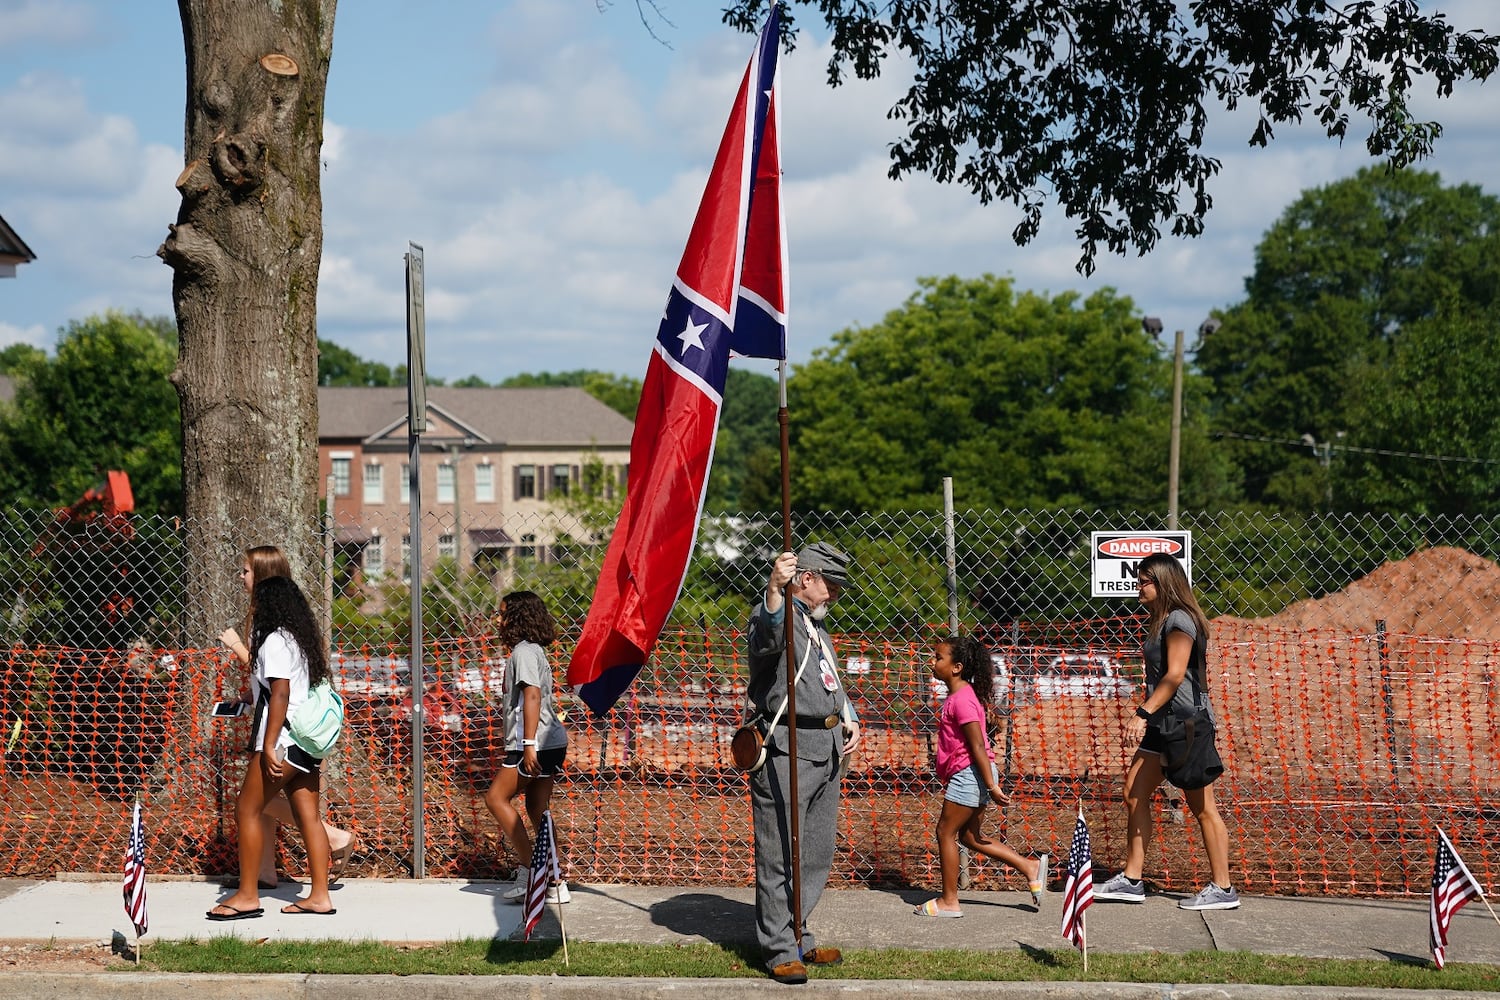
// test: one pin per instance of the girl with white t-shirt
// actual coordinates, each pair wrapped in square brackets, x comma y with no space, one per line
[286,648]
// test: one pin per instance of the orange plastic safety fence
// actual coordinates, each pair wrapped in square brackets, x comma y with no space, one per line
[1344,751]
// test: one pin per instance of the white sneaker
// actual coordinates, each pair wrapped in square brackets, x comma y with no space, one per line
[556,893]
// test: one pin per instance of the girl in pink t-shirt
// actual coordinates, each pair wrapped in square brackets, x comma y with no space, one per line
[966,767]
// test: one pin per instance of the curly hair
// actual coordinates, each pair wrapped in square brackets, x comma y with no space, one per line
[524,618]
[978,669]
[279,604]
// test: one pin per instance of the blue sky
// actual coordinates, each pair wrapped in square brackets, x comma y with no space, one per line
[549,154]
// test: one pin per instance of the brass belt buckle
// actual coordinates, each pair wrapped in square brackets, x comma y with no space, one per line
[831,721]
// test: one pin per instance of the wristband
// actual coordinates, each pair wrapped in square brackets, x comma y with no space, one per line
[528,743]
[1141,713]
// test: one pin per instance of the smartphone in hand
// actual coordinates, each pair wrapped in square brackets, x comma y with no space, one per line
[230,709]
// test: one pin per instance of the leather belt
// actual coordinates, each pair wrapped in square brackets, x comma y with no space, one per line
[817,721]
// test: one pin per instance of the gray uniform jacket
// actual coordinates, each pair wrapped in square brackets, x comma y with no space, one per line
[766,689]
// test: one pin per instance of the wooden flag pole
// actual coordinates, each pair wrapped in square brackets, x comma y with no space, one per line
[787,615]
[564,929]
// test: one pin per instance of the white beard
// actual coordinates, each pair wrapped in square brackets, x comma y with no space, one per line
[818,613]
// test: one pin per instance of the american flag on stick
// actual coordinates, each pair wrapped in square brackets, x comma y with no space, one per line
[544,870]
[1078,890]
[135,873]
[1452,887]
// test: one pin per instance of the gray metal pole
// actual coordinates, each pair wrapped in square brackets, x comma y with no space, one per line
[418,686]
[1173,457]
[952,554]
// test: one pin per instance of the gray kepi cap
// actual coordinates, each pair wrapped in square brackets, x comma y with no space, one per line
[826,561]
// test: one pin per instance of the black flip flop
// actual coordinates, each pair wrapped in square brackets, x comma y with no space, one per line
[297,907]
[234,914]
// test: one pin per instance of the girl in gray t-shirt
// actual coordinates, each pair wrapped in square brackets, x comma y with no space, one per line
[536,742]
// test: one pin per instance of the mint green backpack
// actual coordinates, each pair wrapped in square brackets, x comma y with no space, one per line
[316,723]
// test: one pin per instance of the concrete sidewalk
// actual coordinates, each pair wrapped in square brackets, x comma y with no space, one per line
[78,909]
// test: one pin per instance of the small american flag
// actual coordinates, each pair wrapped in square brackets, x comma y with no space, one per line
[1452,887]
[544,868]
[135,873]
[1078,890]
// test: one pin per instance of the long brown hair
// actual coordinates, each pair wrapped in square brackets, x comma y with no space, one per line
[280,604]
[265,562]
[1173,592]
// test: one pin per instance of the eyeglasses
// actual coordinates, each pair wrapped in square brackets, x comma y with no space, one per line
[1145,581]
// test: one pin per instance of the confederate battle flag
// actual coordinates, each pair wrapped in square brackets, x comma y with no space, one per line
[729,295]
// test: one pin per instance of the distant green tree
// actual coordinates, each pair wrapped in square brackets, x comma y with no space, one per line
[341,366]
[1340,279]
[620,393]
[104,401]
[20,359]
[1025,401]
[747,434]
[1435,397]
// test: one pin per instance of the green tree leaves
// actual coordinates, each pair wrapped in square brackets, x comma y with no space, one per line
[1367,324]
[1026,401]
[104,401]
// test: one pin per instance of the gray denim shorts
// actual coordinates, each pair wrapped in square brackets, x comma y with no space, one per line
[965,788]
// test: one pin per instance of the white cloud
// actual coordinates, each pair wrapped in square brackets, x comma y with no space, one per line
[36,336]
[553,182]
[30,23]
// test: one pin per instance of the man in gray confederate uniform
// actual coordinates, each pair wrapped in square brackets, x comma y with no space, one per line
[827,731]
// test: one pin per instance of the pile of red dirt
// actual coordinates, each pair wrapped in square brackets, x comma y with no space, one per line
[1441,591]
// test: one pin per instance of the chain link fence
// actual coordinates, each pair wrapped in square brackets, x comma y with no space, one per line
[1353,665]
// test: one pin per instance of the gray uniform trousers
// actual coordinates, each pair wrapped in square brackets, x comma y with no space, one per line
[818,787]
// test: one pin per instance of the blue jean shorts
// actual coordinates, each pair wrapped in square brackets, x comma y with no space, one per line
[965,788]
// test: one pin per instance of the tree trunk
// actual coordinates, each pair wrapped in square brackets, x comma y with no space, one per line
[245,252]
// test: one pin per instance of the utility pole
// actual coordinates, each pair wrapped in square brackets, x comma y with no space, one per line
[1153,326]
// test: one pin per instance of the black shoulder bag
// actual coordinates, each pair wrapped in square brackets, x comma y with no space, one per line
[1190,760]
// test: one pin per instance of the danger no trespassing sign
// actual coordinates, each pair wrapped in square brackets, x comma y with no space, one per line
[1116,554]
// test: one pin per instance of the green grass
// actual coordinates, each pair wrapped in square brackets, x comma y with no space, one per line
[481,958]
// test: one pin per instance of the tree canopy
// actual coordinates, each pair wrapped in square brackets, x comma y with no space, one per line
[1362,291]
[1026,401]
[1103,106]
[102,402]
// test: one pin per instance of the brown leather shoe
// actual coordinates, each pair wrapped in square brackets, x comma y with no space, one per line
[792,973]
[823,956]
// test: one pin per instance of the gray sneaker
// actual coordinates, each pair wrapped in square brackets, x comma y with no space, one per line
[1212,898]
[1121,890]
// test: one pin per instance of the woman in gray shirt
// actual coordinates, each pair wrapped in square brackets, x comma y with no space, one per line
[1176,641]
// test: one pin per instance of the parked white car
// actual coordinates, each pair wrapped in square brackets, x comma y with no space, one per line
[1083,675]
[1002,682]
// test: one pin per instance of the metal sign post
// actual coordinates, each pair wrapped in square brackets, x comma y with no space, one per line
[416,423]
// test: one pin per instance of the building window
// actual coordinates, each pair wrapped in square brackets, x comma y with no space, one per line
[406,559]
[525,481]
[446,479]
[528,547]
[593,480]
[375,556]
[562,478]
[484,484]
[406,482]
[446,548]
[374,482]
[339,468]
